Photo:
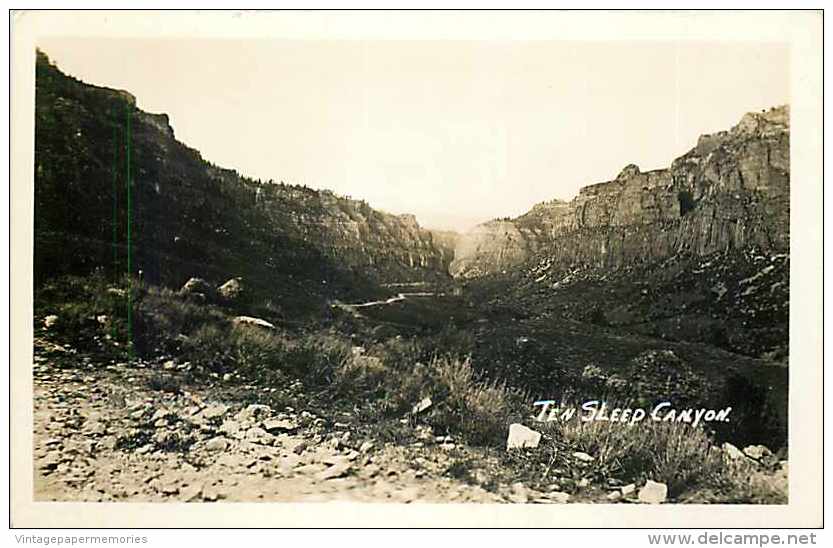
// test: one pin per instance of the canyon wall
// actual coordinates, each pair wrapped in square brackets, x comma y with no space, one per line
[115,192]
[730,191]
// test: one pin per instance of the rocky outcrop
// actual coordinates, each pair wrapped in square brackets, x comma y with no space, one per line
[730,191]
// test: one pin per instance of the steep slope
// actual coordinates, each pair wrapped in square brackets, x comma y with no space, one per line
[116,192]
[729,192]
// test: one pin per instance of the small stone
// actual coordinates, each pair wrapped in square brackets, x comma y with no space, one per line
[212,494]
[335,471]
[160,414]
[50,320]
[95,429]
[366,447]
[559,497]
[255,412]
[583,457]
[300,448]
[190,493]
[653,492]
[217,444]
[51,461]
[423,405]
[518,493]
[214,411]
[276,426]
[613,496]
[520,436]
[757,452]
[259,435]
[628,489]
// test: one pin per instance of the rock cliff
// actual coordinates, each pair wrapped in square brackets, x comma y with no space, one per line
[116,192]
[730,191]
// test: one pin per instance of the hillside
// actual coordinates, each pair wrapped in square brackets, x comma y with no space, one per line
[116,192]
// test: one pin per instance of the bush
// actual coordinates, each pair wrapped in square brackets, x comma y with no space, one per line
[91,312]
[677,454]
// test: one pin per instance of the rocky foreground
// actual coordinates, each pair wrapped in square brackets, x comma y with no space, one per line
[132,432]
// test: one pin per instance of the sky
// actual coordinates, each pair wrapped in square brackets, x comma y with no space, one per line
[455,132]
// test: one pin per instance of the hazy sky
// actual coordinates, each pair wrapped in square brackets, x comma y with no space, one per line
[455,132]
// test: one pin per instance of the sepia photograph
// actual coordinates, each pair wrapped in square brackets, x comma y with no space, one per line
[457,270]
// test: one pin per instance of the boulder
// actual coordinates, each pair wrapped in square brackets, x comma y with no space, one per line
[232,290]
[256,322]
[757,452]
[653,492]
[196,286]
[520,436]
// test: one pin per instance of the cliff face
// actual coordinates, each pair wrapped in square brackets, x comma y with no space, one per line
[730,191]
[116,192]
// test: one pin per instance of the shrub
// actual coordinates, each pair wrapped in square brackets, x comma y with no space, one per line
[92,312]
[478,410]
[677,454]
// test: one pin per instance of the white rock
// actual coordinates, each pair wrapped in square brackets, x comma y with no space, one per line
[731,451]
[653,492]
[628,489]
[583,457]
[421,406]
[248,320]
[217,444]
[50,320]
[520,436]
[757,452]
[276,426]
[259,435]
